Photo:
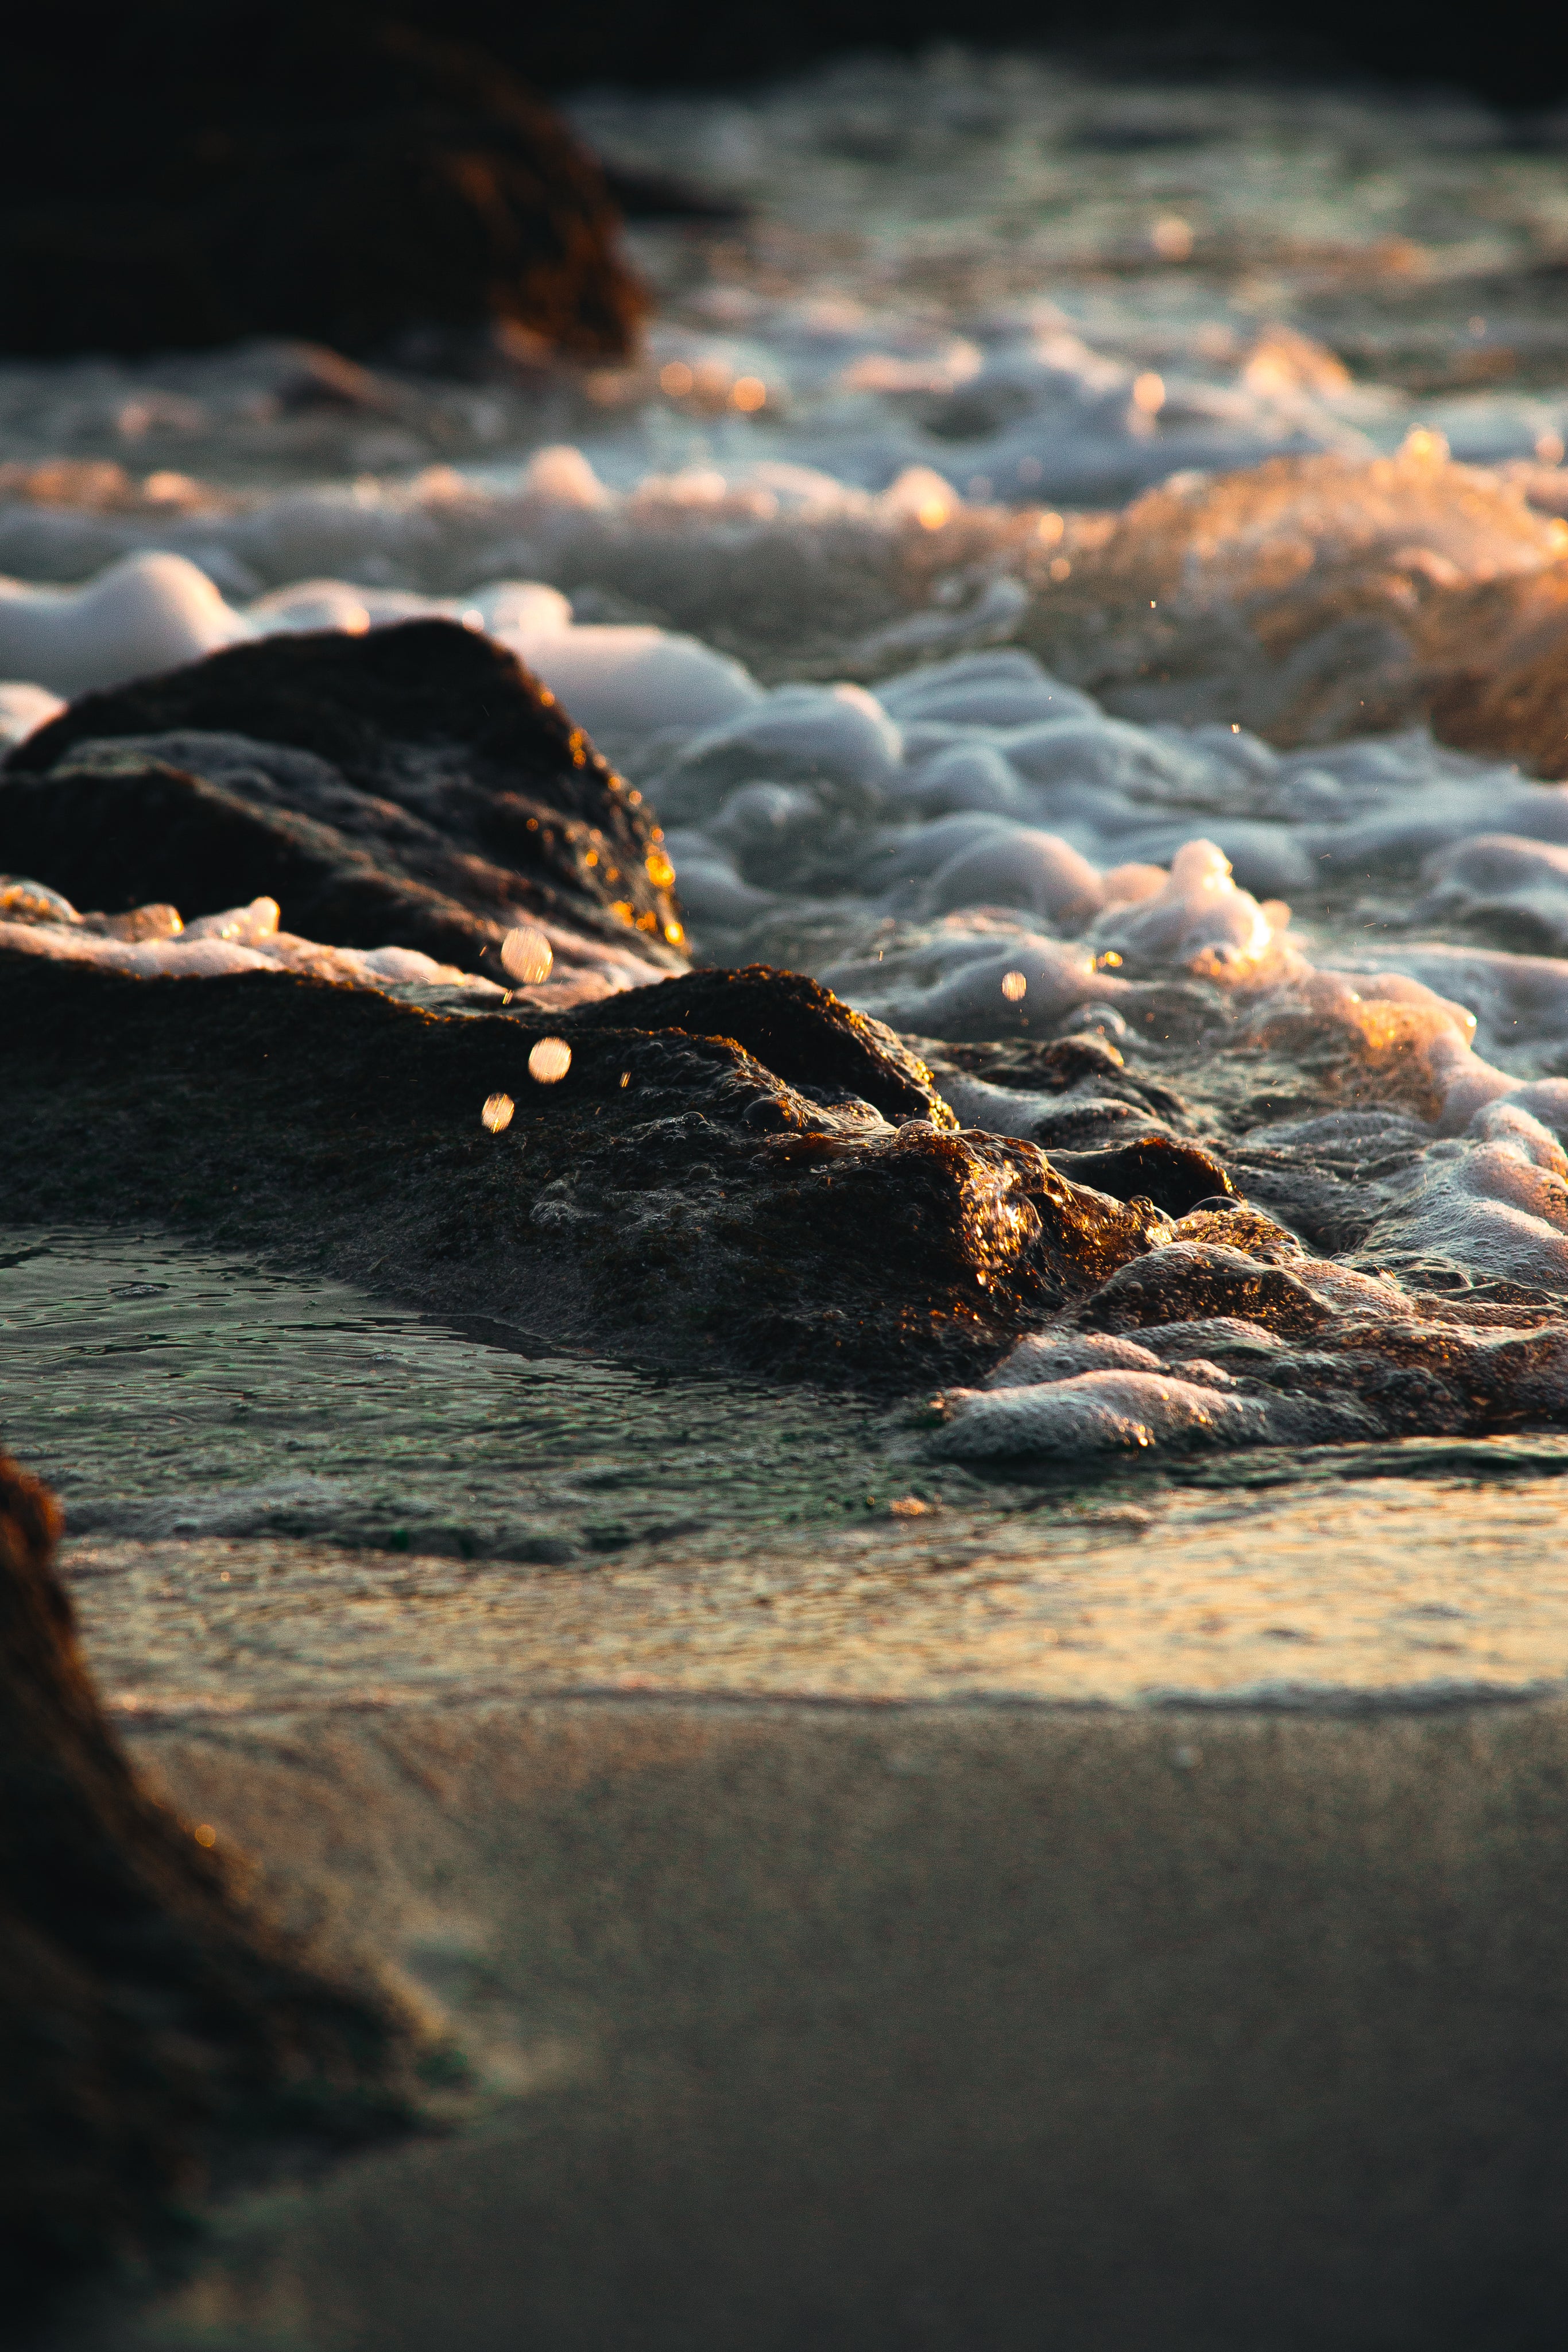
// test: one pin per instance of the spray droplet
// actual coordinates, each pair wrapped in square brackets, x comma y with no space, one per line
[1172,238]
[204,1833]
[1015,987]
[550,1061]
[526,955]
[497,1112]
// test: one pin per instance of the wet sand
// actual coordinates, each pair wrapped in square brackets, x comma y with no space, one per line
[966,2020]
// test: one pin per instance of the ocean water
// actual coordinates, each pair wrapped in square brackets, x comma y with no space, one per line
[1015,573]
[283,1494]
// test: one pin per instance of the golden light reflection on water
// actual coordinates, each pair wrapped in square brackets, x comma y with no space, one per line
[1404,1588]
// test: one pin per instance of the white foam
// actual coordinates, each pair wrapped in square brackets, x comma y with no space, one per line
[1040,1356]
[1496,1201]
[1502,876]
[1096,1412]
[240,939]
[24,709]
[147,613]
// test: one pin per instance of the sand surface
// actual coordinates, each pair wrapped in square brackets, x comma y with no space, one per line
[922,1971]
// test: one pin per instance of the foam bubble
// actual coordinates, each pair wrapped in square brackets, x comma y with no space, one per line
[1096,1412]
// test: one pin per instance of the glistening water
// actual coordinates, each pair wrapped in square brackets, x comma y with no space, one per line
[285,1494]
[1199,430]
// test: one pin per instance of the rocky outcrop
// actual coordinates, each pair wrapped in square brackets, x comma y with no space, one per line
[412,787]
[157,2035]
[292,172]
[815,1214]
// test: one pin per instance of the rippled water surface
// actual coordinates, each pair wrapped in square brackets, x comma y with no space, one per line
[965,310]
[283,1494]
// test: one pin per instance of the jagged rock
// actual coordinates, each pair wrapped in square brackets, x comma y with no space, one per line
[413,787]
[156,2034]
[672,1189]
[304,172]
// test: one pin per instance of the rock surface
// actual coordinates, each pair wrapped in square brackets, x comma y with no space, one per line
[295,173]
[672,1188]
[156,2034]
[412,787]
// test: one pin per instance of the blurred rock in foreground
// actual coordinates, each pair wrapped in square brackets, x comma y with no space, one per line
[155,2035]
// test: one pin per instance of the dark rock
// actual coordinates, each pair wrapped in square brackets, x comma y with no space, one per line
[1056,1065]
[155,2033]
[446,796]
[637,1200]
[796,1029]
[292,172]
[1175,1176]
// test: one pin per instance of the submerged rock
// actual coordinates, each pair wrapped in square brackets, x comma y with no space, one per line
[304,173]
[415,786]
[157,2035]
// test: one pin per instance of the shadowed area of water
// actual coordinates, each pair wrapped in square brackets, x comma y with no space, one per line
[283,1494]
[165,1389]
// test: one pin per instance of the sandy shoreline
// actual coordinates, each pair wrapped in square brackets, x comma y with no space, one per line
[910,2025]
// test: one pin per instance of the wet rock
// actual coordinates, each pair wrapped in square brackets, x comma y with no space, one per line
[293,173]
[801,1032]
[156,2034]
[411,787]
[1194,1280]
[671,1188]
[1175,1176]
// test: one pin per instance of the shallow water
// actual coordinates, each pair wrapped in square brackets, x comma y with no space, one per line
[282,1493]
[972,301]
[164,1390]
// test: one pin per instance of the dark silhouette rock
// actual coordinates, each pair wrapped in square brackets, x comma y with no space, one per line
[442,796]
[196,175]
[156,2035]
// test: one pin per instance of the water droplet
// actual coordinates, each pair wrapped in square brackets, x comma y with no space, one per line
[1015,987]
[526,955]
[497,1112]
[550,1061]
